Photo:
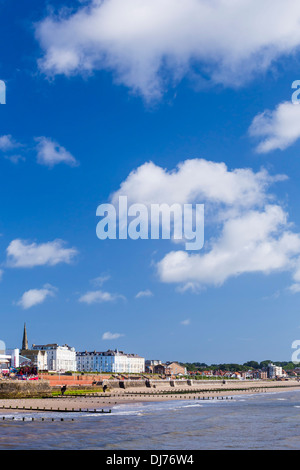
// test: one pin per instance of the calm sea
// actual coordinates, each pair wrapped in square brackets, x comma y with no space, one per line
[269,421]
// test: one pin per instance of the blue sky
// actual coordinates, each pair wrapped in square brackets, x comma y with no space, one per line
[85,108]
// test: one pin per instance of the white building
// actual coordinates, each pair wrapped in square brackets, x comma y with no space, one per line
[14,355]
[274,371]
[9,358]
[58,358]
[36,357]
[110,362]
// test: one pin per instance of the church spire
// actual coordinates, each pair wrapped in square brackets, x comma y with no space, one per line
[25,340]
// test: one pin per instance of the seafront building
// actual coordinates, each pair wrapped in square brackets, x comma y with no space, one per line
[274,371]
[38,358]
[169,369]
[150,364]
[52,357]
[114,362]
[9,358]
[49,357]
[55,358]
[59,358]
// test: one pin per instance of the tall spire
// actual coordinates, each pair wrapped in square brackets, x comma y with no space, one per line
[25,340]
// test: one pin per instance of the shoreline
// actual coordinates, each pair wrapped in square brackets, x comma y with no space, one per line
[106,402]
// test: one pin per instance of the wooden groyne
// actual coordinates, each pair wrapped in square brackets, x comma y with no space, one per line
[54,410]
[32,419]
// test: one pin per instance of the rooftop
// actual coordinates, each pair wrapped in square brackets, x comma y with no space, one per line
[107,353]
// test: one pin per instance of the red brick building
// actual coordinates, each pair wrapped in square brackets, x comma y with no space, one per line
[170,368]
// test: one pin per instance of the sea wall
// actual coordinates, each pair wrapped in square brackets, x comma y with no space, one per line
[26,389]
[75,379]
[123,384]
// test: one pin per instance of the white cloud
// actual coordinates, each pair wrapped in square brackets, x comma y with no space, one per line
[111,336]
[250,231]
[277,129]
[50,153]
[295,288]
[99,281]
[23,254]
[149,44]
[255,242]
[99,296]
[34,297]
[144,293]
[186,322]
[192,287]
[8,143]
[196,180]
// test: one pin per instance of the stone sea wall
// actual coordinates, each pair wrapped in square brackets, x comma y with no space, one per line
[116,384]
[26,389]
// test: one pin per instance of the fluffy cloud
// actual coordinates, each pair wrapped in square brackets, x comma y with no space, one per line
[251,231]
[195,180]
[50,153]
[277,129]
[110,336]
[8,143]
[34,297]
[144,293]
[23,254]
[150,43]
[99,296]
[295,288]
[255,242]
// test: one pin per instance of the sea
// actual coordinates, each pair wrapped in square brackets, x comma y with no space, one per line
[264,421]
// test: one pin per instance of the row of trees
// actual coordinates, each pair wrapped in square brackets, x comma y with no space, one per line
[250,365]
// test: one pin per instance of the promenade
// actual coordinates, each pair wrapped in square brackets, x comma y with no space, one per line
[98,401]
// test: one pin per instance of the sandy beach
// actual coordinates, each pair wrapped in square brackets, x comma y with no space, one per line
[101,401]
